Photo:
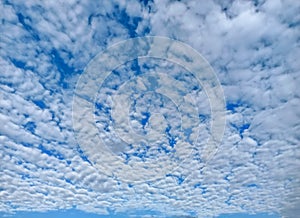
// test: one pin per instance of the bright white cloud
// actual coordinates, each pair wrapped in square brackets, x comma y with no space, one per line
[252,46]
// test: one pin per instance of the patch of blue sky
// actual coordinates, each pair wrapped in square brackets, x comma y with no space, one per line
[145,118]
[40,103]
[25,21]
[51,152]
[30,126]
[82,155]
[64,69]
[179,178]
[171,138]
[233,106]
[130,23]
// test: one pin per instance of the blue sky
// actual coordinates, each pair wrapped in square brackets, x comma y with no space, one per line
[137,143]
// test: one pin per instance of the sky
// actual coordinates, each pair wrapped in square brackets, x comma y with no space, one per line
[198,119]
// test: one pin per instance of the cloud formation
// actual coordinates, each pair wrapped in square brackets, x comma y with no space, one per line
[253,48]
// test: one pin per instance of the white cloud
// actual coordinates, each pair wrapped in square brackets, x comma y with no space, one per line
[253,49]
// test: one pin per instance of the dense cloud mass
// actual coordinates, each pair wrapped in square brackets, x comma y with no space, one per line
[253,47]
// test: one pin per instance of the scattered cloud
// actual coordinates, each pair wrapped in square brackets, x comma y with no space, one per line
[253,47]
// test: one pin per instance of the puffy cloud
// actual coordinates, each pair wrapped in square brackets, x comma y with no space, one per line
[253,47]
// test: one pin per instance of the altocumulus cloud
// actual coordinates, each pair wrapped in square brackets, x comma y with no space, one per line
[253,47]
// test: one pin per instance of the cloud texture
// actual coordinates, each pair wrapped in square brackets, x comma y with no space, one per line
[253,46]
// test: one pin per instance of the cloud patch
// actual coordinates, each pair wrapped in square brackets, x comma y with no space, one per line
[253,48]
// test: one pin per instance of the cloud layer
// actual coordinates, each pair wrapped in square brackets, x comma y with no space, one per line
[253,48]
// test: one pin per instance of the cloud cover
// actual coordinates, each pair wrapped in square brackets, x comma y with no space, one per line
[253,48]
